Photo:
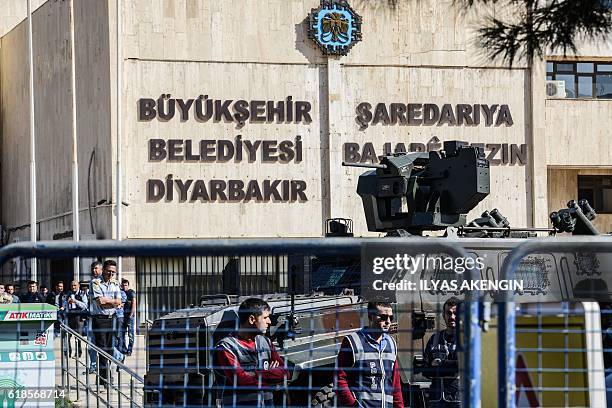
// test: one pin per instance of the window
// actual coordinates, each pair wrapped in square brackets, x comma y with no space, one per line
[598,191]
[582,79]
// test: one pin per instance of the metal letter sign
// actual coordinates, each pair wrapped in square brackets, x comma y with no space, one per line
[334,27]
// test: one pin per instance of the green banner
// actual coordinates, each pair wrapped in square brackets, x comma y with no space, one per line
[27,312]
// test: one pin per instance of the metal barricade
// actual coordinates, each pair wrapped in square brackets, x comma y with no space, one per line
[124,389]
[181,351]
[564,342]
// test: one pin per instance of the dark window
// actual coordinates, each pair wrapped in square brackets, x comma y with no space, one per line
[582,79]
[564,67]
[598,191]
[585,87]
[604,86]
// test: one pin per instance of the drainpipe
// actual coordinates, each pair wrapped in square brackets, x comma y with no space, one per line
[119,170]
[75,161]
[33,229]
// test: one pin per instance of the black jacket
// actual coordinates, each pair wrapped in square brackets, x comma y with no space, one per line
[442,367]
[31,298]
[57,299]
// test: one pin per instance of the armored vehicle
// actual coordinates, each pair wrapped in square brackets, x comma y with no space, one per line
[404,195]
[306,330]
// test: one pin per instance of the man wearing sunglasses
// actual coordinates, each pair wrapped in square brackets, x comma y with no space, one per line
[367,374]
[442,361]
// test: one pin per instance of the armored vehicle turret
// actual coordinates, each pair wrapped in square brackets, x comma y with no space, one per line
[424,191]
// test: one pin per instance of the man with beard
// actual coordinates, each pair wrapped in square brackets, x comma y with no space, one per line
[247,366]
[442,362]
[368,374]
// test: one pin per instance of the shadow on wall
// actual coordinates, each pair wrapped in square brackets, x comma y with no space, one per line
[305,45]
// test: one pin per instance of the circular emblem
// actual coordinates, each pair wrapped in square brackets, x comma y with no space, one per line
[334,27]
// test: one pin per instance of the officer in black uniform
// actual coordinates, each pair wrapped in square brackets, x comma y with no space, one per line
[442,362]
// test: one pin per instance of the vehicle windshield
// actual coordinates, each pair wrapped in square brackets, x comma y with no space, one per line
[332,276]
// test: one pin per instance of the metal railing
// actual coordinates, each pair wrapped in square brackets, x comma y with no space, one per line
[76,371]
[173,283]
[506,335]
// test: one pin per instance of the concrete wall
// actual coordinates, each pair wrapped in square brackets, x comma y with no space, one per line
[14,102]
[13,12]
[52,109]
[578,132]
[577,135]
[191,48]
[211,219]
[510,185]
[186,48]
[219,31]
[53,127]
[439,32]
[95,148]
[421,33]
[587,49]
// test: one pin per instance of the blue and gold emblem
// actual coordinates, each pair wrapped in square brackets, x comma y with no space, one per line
[335,27]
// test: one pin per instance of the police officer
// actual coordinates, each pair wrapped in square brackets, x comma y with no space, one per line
[442,363]
[247,366]
[105,299]
[367,374]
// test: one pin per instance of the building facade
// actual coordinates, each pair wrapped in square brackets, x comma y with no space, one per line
[234,123]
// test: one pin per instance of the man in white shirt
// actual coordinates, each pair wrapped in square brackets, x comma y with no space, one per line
[105,298]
